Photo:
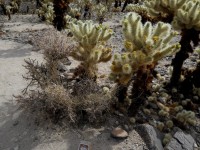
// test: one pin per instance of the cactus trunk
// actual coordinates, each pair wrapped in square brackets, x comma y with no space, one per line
[60,8]
[121,93]
[141,87]
[188,36]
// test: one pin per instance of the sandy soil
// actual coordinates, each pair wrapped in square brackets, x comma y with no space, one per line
[19,131]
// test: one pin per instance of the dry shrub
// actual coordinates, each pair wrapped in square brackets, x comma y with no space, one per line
[93,102]
[53,103]
[48,92]
[97,106]
[56,45]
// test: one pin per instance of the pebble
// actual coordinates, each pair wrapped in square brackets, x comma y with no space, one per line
[116,122]
[16,123]
[181,96]
[132,120]
[126,127]
[196,98]
[119,133]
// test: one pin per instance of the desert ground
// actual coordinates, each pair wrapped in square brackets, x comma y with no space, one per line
[20,130]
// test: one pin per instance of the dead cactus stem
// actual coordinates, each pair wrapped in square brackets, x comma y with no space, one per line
[141,87]
[188,36]
[60,8]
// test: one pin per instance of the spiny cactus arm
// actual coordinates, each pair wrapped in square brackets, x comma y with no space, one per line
[161,29]
[89,35]
[169,50]
[78,54]
[107,55]
[85,33]
[148,45]
[76,31]
[105,34]
[91,48]
[163,9]
[188,16]
[132,26]
[123,67]
[145,37]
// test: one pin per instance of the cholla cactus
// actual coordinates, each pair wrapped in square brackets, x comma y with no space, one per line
[101,11]
[68,19]
[163,9]
[75,13]
[186,117]
[136,8]
[12,8]
[144,44]
[188,16]
[187,19]
[46,12]
[91,48]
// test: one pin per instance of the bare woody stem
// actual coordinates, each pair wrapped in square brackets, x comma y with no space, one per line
[140,88]
[188,36]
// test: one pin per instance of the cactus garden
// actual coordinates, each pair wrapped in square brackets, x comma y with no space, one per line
[118,74]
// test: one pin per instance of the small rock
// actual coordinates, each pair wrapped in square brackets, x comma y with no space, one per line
[132,120]
[196,98]
[121,115]
[119,133]
[126,127]
[16,123]
[151,135]
[181,141]
[62,67]
[116,122]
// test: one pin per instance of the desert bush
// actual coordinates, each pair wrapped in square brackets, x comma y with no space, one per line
[52,94]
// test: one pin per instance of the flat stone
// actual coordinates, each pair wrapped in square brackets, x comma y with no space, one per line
[152,137]
[119,133]
[181,141]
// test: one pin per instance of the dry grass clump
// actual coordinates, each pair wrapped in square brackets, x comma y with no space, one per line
[93,101]
[52,94]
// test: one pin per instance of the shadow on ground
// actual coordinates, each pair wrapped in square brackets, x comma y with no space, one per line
[20,131]
[19,51]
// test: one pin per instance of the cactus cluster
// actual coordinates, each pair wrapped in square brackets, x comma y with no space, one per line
[91,47]
[46,11]
[11,8]
[144,44]
[68,19]
[188,16]
[136,8]
[75,13]
[186,117]
[101,10]
[163,9]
